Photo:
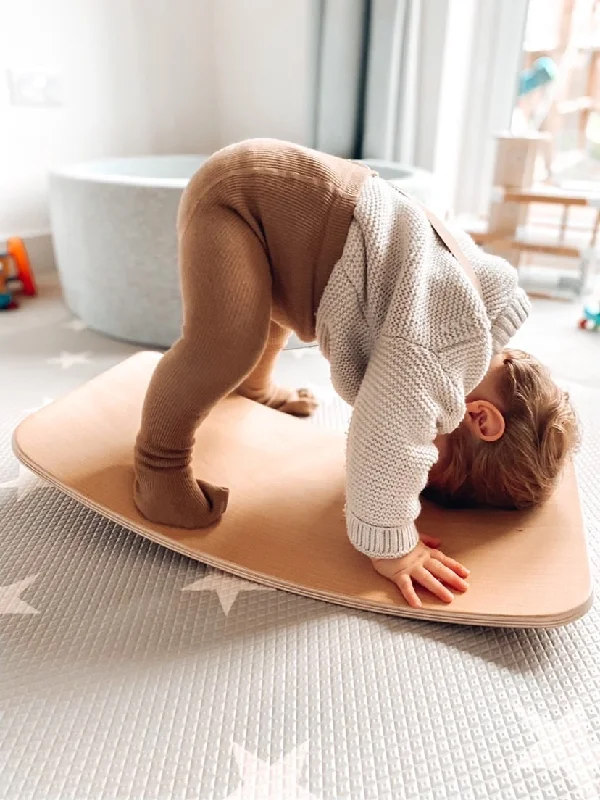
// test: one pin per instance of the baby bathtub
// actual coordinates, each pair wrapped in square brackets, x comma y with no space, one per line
[113,225]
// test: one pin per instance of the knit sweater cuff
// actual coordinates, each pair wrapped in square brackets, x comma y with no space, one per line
[378,542]
[510,319]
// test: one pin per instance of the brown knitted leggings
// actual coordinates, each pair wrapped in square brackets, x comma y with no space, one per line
[229,342]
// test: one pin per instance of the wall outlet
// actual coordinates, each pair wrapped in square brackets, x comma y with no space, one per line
[37,88]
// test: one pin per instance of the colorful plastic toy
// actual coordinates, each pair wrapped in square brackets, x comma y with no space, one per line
[591,317]
[542,71]
[15,273]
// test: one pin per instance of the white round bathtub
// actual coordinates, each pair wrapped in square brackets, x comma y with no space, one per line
[113,225]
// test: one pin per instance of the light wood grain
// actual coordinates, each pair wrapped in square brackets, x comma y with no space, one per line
[285,526]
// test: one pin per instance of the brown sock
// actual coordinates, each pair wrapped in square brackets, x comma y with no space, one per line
[259,386]
[206,364]
[178,499]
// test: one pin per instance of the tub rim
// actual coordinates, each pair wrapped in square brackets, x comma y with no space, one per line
[90,170]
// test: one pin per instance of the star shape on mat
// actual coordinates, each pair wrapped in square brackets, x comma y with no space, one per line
[568,744]
[25,483]
[278,781]
[67,360]
[226,586]
[11,603]
[75,324]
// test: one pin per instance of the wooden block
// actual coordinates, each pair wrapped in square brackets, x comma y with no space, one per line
[285,525]
[502,242]
[505,218]
[547,197]
[516,159]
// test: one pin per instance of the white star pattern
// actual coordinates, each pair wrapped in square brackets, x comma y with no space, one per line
[278,781]
[76,325]
[568,744]
[67,360]
[25,483]
[226,586]
[11,603]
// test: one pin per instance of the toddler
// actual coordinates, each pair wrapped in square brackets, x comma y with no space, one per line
[413,319]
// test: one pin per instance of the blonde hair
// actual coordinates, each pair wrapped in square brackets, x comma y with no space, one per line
[521,468]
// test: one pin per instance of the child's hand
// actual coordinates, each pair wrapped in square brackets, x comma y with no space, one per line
[428,568]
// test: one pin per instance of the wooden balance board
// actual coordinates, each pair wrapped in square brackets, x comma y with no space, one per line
[285,524]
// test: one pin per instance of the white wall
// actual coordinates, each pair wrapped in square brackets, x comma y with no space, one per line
[148,76]
[265,72]
[137,78]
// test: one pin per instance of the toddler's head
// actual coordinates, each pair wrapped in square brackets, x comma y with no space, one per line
[519,431]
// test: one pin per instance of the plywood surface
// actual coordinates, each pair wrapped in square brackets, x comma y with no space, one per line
[285,527]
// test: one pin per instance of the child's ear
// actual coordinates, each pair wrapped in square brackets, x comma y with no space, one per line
[484,420]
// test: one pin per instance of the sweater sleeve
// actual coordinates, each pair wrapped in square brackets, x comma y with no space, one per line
[404,402]
[507,304]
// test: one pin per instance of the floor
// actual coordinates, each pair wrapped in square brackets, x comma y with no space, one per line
[551,334]
[128,671]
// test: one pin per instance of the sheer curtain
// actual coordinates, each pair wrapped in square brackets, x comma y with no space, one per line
[422,82]
[368,77]
[391,119]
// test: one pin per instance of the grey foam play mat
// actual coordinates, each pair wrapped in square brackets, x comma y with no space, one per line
[127,671]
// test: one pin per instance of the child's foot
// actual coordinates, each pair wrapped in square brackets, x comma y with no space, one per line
[297,402]
[176,499]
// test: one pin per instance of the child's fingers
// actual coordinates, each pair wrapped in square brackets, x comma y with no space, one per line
[455,566]
[405,585]
[430,582]
[444,573]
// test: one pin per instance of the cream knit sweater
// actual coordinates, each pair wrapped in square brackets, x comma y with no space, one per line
[408,337]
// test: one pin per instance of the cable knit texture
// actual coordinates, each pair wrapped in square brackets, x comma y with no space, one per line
[407,336]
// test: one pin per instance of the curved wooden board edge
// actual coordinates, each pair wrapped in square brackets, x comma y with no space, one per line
[424,614]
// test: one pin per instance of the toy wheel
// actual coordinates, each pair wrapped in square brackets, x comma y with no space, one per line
[17,251]
[5,300]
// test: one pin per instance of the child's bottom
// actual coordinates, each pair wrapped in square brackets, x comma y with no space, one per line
[261,226]
[229,343]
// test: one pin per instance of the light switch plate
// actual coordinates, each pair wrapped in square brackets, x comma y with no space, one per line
[37,88]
